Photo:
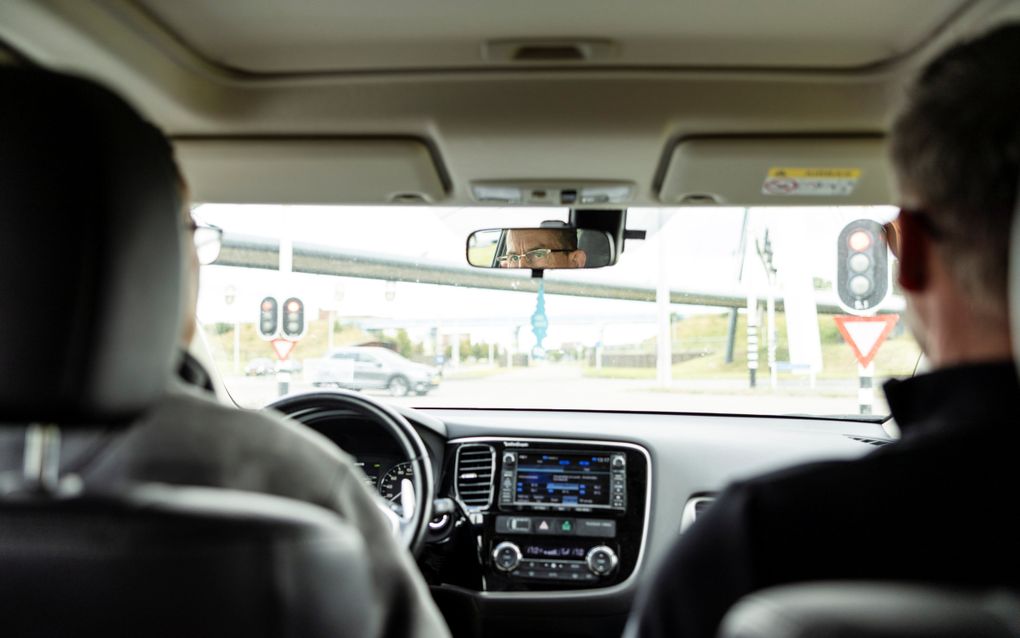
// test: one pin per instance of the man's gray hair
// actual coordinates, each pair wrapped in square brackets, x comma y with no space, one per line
[956,145]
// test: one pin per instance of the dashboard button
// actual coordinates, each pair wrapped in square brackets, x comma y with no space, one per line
[596,528]
[506,557]
[601,560]
[513,525]
[545,525]
[520,524]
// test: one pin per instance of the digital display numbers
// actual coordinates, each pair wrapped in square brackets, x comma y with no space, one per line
[562,552]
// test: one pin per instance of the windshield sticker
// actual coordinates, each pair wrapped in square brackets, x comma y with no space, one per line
[813,182]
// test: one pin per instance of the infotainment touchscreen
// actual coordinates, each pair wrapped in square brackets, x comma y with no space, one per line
[563,479]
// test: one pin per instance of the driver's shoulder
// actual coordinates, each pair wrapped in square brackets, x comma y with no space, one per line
[265,433]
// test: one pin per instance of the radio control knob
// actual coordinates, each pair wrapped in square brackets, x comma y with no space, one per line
[601,560]
[509,458]
[506,557]
[619,462]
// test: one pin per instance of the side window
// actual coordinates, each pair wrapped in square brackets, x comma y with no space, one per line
[342,355]
[366,358]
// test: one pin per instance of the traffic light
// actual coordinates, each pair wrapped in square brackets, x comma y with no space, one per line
[293,318]
[269,318]
[862,276]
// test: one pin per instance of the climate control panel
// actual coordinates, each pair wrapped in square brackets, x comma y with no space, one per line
[599,561]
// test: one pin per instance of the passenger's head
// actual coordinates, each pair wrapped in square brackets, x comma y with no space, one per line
[542,248]
[956,153]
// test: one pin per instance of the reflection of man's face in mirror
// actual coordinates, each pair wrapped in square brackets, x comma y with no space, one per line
[542,248]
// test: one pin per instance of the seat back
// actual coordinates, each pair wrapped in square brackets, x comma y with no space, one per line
[93,230]
[161,561]
[873,610]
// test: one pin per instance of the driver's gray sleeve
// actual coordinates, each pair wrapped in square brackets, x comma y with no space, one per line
[398,584]
[190,439]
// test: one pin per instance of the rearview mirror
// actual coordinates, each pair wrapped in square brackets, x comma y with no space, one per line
[540,248]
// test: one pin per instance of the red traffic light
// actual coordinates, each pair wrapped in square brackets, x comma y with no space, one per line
[293,306]
[860,240]
[267,306]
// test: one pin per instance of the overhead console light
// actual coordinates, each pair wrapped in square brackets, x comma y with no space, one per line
[554,193]
[611,194]
[498,194]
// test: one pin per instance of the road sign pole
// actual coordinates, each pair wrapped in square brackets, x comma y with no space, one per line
[866,393]
[282,348]
[865,335]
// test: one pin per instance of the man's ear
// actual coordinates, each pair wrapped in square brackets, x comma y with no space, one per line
[914,250]
[578,258]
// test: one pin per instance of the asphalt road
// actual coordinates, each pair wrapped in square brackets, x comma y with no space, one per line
[564,386]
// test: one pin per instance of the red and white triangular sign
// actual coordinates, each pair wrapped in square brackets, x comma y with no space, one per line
[283,348]
[865,335]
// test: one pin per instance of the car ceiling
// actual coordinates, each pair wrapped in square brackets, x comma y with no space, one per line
[430,70]
[283,36]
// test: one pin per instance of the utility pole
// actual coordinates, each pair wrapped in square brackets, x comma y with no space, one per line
[731,334]
[765,253]
[664,343]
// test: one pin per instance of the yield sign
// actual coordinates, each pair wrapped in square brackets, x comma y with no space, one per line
[865,335]
[283,348]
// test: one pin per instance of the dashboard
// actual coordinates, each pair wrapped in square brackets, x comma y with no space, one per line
[561,514]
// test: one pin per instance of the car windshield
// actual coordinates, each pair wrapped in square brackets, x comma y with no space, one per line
[389,306]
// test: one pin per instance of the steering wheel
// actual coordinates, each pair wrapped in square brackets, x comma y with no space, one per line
[411,524]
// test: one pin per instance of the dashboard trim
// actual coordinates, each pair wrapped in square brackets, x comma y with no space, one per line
[690,511]
[577,594]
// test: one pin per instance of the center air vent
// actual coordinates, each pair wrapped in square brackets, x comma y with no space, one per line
[475,467]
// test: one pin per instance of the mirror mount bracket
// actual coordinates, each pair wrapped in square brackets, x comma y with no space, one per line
[537,273]
[612,221]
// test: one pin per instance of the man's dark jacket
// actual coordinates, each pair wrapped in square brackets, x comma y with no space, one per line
[942,504]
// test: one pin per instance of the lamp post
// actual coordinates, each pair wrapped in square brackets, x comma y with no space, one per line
[230,296]
[338,297]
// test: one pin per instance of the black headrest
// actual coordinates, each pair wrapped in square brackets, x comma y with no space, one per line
[90,253]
